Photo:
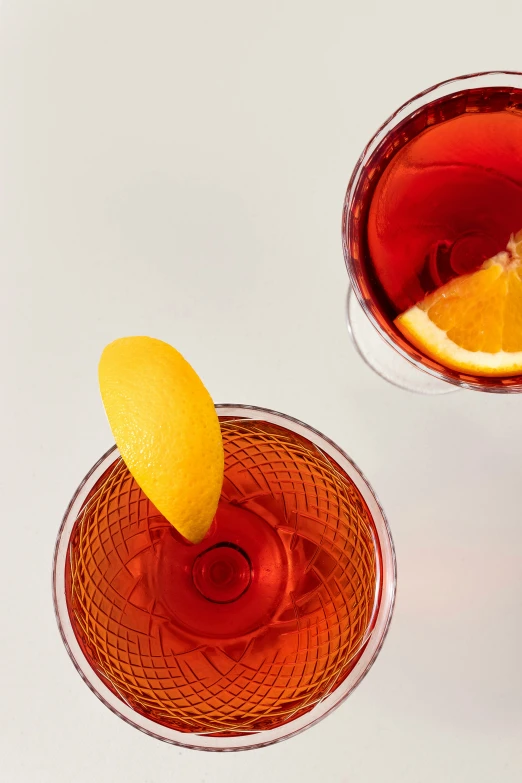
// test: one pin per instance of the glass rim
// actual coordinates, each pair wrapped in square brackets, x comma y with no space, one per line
[249,740]
[497,78]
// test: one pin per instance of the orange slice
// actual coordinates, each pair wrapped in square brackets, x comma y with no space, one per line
[473,324]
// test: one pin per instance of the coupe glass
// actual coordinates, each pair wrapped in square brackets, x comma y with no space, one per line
[378,342]
[256,633]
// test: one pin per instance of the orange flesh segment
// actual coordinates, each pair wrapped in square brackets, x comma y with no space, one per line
[478,315]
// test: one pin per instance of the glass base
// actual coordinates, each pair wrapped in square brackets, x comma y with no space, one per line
[223,573]
[383,359]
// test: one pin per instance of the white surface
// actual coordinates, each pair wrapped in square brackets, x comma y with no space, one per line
[178,169]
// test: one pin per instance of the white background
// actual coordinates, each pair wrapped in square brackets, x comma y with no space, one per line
[178,169]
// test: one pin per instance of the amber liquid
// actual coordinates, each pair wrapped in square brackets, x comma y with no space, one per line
[253,626]
[441,194]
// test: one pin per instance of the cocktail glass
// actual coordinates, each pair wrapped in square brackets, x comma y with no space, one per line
[469,210]
[256,633]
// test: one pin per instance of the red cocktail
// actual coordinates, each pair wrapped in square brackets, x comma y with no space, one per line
[256,632]
[437,193]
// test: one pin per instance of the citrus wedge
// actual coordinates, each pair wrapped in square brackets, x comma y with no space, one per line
[166,428]
[473,324]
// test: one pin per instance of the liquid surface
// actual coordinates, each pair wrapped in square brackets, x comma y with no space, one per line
[251,627]
[445,194]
